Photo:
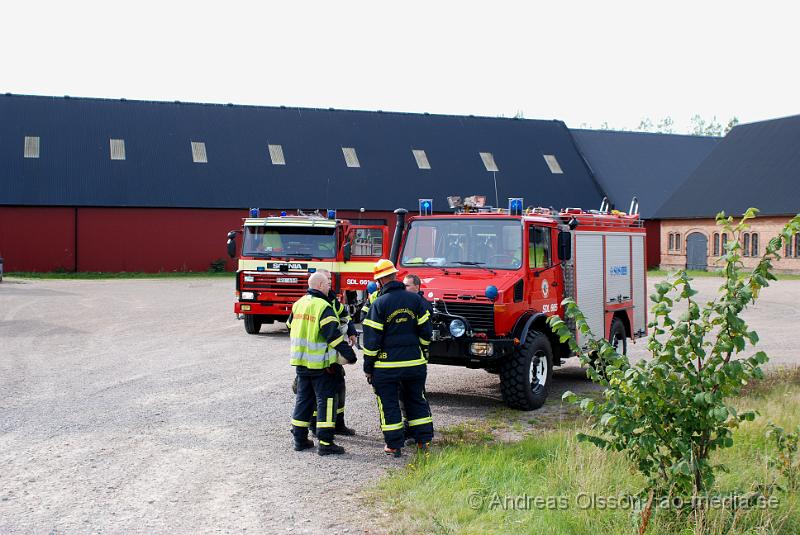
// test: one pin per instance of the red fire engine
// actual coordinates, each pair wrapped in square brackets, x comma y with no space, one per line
[493,277]
[279,252]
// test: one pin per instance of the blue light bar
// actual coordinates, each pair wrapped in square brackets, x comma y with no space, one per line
[426,207]
[331,214]
[283,214]
[255,212]
[515,205]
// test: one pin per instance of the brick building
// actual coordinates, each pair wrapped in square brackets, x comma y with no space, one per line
[755,165]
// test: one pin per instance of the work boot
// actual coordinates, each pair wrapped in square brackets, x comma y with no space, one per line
[342,429]
[424,447]
[300,445]
[329,449]
[394,452]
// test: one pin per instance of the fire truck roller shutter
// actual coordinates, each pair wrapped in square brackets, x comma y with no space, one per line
[589,281]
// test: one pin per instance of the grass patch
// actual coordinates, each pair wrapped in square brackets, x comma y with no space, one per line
[545,483]
[87,275]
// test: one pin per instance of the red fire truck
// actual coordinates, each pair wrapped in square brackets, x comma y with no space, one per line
[494,276]
[279,252]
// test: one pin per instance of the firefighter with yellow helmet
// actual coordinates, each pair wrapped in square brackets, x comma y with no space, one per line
[396,330]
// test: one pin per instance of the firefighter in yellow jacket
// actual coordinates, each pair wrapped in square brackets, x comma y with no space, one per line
[397,329]
[315,341]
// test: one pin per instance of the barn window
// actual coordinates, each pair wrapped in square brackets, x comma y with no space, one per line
[787,252]
[199,152]
[350,157]
[716,244]
[754,243]
[276,154]
[746,251]
[117,149]
[671,246]
[552,163]
[678,242]
[31,149]
[724,242]
[797,246]
[421,158]
[488,161]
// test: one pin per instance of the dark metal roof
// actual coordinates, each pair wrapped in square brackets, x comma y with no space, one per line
[74,168]
[756,164]
[648,166]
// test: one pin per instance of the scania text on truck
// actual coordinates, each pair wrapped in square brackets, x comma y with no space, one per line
[494,276]
[279,252]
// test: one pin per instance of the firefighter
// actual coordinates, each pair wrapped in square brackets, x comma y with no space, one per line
[315,341]
[397,329]
[372,295]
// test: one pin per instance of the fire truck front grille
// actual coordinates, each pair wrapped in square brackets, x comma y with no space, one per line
[268,283]
[479,315]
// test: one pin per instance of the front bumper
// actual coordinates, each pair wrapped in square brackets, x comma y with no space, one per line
[276,310]
[456,352]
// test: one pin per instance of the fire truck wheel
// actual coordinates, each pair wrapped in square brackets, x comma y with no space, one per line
[252,323]
[616,336]
[526,375]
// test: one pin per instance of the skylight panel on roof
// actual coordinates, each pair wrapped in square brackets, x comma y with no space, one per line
[421,158]
[117,149]
[488,161]
[199,152]
[276,155]
[350,157]
[552,163]
[31,147]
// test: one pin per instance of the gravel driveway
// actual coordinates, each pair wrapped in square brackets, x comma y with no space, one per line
[141,405]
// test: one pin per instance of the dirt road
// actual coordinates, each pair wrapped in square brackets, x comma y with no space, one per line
[141,405]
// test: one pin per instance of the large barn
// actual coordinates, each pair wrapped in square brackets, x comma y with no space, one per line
[118,185]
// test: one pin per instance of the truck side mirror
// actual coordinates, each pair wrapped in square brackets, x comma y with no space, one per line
[564,245]
[231,247]
[346,251]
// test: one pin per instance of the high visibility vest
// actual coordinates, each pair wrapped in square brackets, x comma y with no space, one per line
[308,347]
[370,299]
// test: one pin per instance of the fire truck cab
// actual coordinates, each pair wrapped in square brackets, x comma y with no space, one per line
[494,276]
[279,253]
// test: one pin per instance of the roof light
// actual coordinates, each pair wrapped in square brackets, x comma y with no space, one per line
[515,206]
[425,207]
[331,214]
[283,214]
[255,212]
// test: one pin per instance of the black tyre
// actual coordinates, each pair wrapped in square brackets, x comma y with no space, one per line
[617,338]
[252,323]
[526,375]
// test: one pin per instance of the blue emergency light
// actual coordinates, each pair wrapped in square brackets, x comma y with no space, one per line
[331,214]
[255,212]
[515,206]
[425,207]
[283,214]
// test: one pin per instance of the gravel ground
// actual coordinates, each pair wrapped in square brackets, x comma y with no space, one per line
[141,405]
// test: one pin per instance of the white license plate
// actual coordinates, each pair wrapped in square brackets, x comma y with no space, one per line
[291,280]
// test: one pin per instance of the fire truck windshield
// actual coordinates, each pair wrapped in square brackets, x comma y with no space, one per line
[464,243]
[287,241]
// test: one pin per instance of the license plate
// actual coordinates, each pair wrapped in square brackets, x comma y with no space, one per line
[290,280]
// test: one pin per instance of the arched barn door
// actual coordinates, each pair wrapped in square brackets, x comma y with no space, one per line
[697,251]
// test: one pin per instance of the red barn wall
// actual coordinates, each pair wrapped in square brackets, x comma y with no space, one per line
[37,239]
[653,239]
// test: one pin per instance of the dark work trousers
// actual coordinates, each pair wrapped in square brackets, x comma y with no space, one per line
[341,393]
[317,391]
[389,385]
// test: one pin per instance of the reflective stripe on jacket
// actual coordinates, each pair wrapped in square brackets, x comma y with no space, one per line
[314,333]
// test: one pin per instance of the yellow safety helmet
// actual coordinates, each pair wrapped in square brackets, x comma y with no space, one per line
[382,268]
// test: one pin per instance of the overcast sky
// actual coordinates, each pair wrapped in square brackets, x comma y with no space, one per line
[582,62]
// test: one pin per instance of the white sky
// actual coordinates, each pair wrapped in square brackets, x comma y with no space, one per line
[581,62]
